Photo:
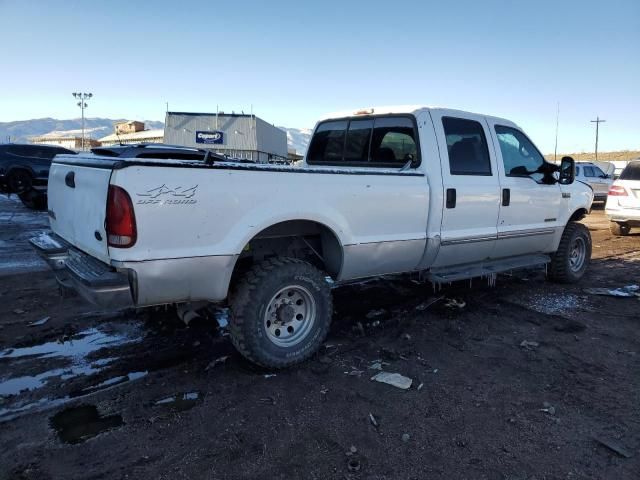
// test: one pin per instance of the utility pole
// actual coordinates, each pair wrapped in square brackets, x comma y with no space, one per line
[83,97]
[597,121]
[555,150]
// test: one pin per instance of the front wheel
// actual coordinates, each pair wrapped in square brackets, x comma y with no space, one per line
[280,312]
[572,258]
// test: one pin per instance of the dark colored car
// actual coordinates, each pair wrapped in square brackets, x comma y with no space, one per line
[156,150]
[24,170]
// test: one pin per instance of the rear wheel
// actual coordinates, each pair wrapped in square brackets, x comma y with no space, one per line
[280,312]
[573,255]
[619,229]
[19,180]
[34,200]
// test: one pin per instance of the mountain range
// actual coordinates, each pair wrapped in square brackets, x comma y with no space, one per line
[21,131]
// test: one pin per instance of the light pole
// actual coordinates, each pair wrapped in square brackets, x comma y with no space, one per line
[597,121]
[83,97]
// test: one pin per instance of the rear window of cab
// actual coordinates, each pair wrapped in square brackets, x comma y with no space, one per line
[384,141]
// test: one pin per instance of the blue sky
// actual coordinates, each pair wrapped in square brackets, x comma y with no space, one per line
[294,61]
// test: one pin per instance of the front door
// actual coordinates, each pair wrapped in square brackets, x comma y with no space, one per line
[471,188]
[530,201]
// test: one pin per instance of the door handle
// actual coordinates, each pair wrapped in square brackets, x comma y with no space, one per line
[451,198]
[70,179]
[506,197]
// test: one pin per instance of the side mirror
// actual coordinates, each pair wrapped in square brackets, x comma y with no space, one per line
[567,171]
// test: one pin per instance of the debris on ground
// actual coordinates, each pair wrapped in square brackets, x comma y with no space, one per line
[269,375]
[614,446]
[353,465]
[529,345]
[393,379]
[42,321]
[552,303]
[548,408]
[354,373]
[373,420]
[406,437]
[420,386]
[376,313]
[625,292]
[18,311]
[352,451]
[454,303]
[216,362]
[424,305]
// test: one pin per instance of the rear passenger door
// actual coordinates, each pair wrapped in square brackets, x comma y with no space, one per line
[471,189]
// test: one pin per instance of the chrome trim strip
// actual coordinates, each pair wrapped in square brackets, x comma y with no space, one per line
[526,233]
[464,240]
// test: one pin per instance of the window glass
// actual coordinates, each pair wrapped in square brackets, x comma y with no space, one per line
[631,172]
[394,142]
[519,155]
[588,172]
[577,171]
[328,142]
[358,137]
[467,147]
[378,141]
[598,172]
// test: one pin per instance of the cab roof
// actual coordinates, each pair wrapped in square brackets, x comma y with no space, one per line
[407,109]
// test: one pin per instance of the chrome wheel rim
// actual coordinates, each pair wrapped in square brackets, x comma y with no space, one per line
[290,316]
[577,254]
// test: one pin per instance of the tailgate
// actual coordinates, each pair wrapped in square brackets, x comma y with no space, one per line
[77,197]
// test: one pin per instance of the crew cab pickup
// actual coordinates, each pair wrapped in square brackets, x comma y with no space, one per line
[447,194]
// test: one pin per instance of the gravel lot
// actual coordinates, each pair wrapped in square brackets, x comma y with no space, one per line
[527,380]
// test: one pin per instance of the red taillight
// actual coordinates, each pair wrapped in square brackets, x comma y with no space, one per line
[121,221]
[617,191]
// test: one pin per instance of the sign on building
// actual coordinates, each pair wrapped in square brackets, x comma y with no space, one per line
[210,137]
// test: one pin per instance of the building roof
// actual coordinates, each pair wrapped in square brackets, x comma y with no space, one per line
[220,114]
[141,135]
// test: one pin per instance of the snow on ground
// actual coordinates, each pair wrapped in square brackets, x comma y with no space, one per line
[17,225]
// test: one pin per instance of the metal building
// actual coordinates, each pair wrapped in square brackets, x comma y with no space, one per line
[236,135]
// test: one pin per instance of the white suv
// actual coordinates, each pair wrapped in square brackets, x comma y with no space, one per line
[623,201]
[592,175]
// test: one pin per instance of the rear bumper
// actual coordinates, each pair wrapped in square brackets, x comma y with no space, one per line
[95,281]
[623,214]
[140,283]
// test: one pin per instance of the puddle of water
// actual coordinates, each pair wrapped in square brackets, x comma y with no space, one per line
[76,349]
[77,424]
[180,402]
[116,381]
[80,345]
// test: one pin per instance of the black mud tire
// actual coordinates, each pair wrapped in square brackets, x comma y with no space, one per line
[19,181]
[564,268]
[34,200]
[250,300]
[619,229]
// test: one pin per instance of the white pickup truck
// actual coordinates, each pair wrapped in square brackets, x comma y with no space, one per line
[448,194]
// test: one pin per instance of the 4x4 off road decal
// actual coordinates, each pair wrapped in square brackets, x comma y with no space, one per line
[168,196]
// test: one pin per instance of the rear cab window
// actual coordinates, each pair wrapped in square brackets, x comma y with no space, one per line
[389,141]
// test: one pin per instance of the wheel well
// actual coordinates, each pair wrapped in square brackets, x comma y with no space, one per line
[304,239]
[578,215]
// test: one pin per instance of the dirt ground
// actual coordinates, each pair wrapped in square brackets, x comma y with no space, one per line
[527,380]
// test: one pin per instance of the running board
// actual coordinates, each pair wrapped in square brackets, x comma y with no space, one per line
[485,269]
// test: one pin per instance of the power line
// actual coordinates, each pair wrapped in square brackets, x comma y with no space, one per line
[597,121]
